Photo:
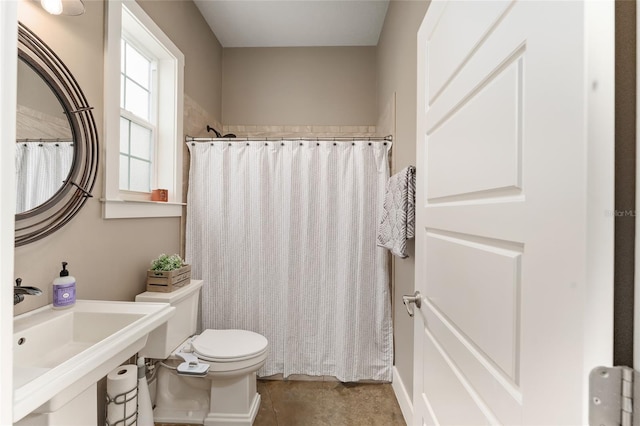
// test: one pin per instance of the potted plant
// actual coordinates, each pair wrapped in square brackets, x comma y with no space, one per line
[167,273]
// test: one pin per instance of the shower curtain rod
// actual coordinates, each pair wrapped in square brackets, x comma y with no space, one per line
[44,140]
[387,138]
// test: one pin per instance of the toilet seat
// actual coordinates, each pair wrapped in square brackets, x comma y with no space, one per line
[228,345]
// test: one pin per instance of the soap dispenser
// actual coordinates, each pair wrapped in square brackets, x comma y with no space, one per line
[64,289]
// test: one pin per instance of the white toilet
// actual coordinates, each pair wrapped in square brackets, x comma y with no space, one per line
[224,395]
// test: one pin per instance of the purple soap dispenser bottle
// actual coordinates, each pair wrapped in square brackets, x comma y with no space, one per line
[64,289]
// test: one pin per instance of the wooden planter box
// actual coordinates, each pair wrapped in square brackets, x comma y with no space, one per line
[168,281]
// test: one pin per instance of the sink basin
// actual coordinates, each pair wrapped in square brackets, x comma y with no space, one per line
[57,354]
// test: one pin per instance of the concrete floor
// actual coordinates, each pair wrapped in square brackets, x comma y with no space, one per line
[327,403]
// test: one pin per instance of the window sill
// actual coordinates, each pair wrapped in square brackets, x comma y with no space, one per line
[123,209]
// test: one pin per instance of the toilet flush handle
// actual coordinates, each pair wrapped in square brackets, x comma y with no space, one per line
[189,358]
[191,366]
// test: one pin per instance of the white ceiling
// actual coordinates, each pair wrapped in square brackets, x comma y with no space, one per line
[277,23]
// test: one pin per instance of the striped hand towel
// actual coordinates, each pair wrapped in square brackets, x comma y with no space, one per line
[398,214]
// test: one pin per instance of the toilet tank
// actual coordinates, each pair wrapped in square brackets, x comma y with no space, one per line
[166,338]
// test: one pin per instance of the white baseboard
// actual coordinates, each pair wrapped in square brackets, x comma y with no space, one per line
[406,405]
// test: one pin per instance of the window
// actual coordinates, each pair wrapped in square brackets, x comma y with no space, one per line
[143,114]
[138,98]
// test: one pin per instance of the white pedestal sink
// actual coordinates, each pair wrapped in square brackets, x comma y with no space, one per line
[59,355]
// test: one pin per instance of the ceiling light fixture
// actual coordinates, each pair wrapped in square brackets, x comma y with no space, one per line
[54,7]
[63,7]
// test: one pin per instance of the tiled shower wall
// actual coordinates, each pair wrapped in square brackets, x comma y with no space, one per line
[31,123]
[196,119]
[301,131]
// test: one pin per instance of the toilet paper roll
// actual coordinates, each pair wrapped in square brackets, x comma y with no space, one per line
[122,389]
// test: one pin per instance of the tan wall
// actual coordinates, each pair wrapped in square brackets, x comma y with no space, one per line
[30,93]
[325,86]
[182,22]
[396,66]
[39,113]
[109,257]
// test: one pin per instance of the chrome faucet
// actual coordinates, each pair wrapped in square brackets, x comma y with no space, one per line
[19,291]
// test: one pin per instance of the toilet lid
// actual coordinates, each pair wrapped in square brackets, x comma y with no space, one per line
[229,345]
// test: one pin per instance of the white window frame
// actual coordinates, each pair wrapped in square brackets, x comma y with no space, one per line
[168,156]
[134,119]
[150,123]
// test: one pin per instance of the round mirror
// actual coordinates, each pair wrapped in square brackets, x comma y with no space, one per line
[56,144]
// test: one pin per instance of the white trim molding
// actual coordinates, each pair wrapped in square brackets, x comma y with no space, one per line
[404,400]
[117,203]
[122,209]
[8,85]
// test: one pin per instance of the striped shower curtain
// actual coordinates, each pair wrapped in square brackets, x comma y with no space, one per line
[41,168]
[283,233]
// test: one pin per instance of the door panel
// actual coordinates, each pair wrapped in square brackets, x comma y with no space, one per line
[450,47]
[498,390]
[440,382]
[479,294]
[503,209]
[453,147]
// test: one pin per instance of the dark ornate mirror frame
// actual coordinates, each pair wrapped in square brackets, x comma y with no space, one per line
[52,215]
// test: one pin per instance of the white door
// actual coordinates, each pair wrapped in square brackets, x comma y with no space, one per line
[514,236]
[8,69]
